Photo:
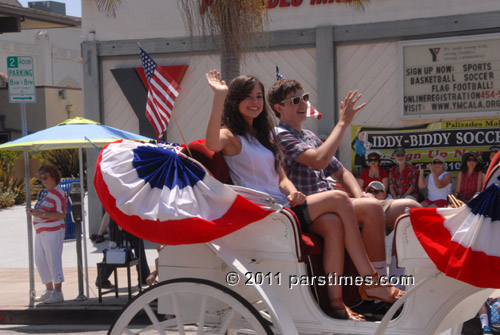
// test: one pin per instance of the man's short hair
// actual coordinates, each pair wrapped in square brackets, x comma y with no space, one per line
[280,90]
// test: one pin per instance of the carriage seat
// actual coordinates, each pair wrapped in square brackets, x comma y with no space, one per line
[310,244]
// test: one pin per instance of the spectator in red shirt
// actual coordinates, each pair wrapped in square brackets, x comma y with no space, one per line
[403,177]
[470,178]
[374,172]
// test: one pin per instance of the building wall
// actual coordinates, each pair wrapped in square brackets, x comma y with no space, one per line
[330,48]
[49,110]
[55,52]
[373,70]
[62,109]
[192,106]
[57,65]
[164,18]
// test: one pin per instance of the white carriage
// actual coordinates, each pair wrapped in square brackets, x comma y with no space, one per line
[258,280]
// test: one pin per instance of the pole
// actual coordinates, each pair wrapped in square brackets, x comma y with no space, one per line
[79,228]
[27,193]
[78,233]
[82,194]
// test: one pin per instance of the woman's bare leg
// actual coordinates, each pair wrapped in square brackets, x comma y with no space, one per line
[330,228]
[339,203]
[370,216]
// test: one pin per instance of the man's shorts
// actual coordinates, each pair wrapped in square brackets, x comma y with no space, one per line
[302,212]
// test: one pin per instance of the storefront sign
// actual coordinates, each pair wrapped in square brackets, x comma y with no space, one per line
[281,3]
[450,77]
[422,143]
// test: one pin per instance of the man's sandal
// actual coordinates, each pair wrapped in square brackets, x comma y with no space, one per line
[344,313]
[394,295]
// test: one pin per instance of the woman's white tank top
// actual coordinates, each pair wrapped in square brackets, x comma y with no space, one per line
[434,193]
[254,168]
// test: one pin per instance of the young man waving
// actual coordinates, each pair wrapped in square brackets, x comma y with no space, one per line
[308,161]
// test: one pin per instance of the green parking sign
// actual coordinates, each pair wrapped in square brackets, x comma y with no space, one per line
[21,77]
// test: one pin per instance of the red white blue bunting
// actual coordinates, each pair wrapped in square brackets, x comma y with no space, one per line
[156,193]
[464,242]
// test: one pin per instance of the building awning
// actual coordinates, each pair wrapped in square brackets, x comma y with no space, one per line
[15,18]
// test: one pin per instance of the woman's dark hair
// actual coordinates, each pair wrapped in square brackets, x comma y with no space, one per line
[51,170]
[465,157]
[374,155]
[262,127]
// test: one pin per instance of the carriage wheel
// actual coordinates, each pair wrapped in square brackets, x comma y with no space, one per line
[210,308]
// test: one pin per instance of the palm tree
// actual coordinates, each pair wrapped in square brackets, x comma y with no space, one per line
[233,25]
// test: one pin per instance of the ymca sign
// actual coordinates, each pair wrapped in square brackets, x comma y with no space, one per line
[450,77]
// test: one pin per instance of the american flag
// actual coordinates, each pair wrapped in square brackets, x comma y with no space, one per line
[278,74]
[311,111]
[162,91]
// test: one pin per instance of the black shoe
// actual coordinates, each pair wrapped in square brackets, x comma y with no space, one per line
[99,239]
[106,284]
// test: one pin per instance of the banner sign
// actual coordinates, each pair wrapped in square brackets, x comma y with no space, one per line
[422,143]
[450,77]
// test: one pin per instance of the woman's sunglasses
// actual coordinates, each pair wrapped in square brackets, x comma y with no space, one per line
[472,160]
[296,100]
[437,162]
[373,160]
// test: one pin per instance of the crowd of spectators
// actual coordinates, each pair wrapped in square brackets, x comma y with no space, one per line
[429,184]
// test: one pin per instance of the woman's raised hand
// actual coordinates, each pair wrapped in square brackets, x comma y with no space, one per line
[217,85]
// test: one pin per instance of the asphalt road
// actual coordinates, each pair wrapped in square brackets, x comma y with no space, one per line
[67,330]
[54,329]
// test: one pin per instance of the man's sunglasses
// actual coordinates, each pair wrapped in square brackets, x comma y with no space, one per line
[437,162]
[43,178]
[373,160]
[296,100]
[373,191]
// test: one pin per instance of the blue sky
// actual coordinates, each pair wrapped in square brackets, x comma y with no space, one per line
[73,7]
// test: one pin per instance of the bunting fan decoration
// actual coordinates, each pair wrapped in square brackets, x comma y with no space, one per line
[463,242]
[157,193]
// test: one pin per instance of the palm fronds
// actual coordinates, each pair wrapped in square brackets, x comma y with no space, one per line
[234,22]
[108,7]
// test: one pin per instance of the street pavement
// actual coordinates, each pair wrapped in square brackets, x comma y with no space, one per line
[14,279]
